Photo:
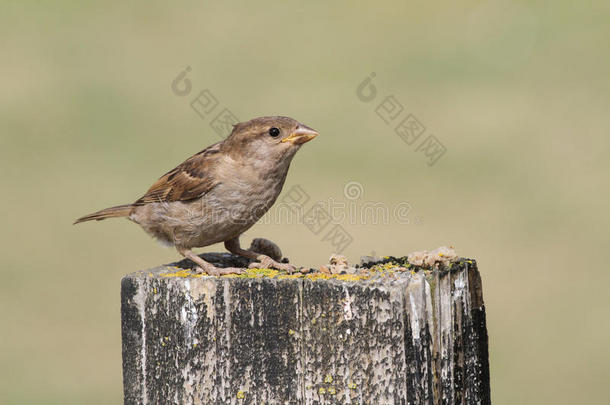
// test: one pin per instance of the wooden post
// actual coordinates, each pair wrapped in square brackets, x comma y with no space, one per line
[409,337]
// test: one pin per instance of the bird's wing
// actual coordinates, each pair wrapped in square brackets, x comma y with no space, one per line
[191,179]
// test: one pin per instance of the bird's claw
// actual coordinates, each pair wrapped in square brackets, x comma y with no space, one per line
[268,263]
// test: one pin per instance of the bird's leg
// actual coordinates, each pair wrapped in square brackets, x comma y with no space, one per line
[263,261]
[209,268]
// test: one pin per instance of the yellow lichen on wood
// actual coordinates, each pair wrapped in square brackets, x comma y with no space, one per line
[318,276]
[341,277]
[270,273]
[182,273]
[256,273]
[388,267]
[351,277]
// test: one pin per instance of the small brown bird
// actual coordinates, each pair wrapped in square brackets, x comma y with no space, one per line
[219,193]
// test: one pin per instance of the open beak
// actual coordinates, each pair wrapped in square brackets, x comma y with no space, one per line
[301,135]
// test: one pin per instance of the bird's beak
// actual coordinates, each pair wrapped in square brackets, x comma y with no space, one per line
[301,135]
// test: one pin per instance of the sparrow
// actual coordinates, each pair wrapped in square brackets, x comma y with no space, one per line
[219,193]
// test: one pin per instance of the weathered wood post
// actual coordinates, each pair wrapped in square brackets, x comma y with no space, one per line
[392,334]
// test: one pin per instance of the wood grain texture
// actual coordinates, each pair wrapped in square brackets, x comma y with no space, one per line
[418,338]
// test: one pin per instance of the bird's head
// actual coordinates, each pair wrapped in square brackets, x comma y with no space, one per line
[268,139]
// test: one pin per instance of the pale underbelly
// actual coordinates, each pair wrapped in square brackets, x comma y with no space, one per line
[203,222]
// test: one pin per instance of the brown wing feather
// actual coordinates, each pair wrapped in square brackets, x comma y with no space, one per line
[191,179]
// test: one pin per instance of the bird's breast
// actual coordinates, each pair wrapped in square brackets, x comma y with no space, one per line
[248,195]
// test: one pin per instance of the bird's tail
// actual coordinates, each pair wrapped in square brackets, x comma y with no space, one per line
[112,212]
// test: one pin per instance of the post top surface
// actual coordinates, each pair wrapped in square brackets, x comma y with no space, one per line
[380,270]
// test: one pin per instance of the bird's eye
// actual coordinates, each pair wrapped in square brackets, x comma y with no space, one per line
[274,132]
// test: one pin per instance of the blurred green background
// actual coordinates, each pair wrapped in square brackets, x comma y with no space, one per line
[518,92]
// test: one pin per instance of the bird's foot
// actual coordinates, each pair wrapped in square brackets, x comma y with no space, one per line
[265,262]
[219,271]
